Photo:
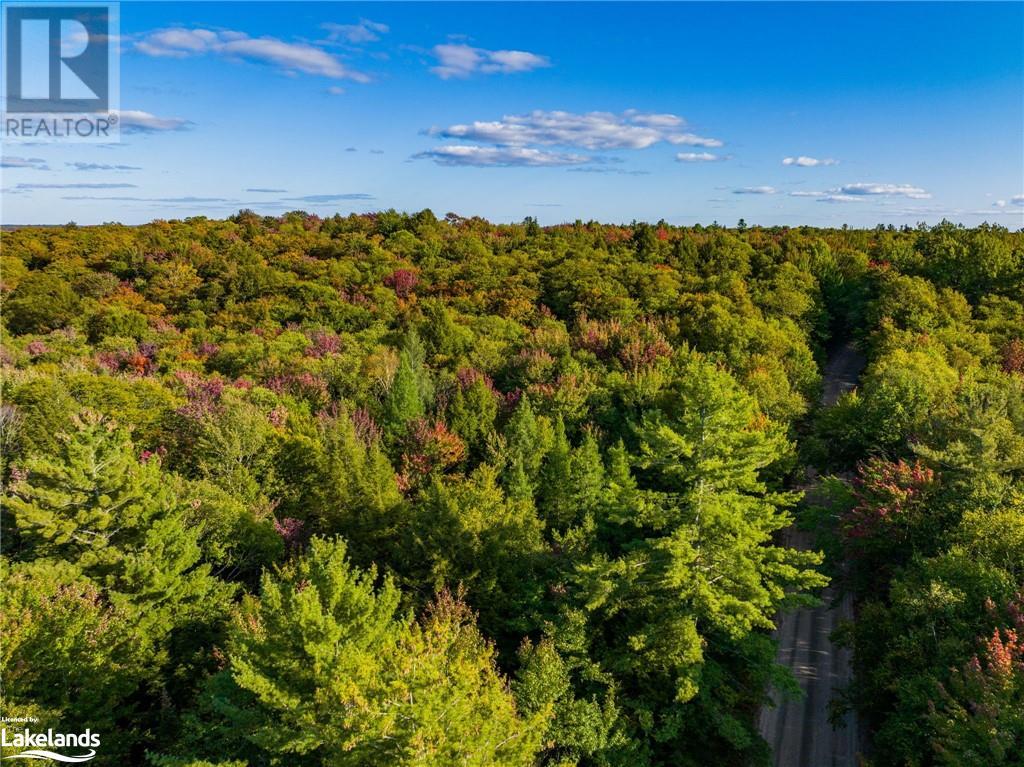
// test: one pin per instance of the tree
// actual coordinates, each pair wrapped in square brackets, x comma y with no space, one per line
[69,656]
[555,491]
[323,669]
[527,440]
[581,728]
[701,562]
[469,533]
[352,488]
[472,412]
[116,519]
[404,402]
[979,717]
[41,302]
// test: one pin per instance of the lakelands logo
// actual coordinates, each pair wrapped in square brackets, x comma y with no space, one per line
[40,745]
[60,72]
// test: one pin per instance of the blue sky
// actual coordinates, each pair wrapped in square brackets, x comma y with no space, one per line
[887,113]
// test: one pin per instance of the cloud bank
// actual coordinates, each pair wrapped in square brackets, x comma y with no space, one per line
[592,130]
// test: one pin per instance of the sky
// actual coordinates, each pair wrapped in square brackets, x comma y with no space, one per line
[793,113]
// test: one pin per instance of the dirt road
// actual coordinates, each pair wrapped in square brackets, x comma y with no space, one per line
[799,731]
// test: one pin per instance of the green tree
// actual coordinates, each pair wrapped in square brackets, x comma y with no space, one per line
[470,533]
[527,440]
[404,401]
[701,562]
[41,302]
[118,520]
[472,413]
[554,492]
[354,491]
[69,656]
[323,669]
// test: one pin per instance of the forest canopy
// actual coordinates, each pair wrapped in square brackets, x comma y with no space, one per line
[393,489]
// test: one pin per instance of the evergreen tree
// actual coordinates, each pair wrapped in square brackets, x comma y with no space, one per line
[527,440]
[323,669]
[118,610]
[586,478]
[404,401]
[472,534]
[472,412]
[705,447]
[555,491]
[355,492]
[699,562]
[118,520]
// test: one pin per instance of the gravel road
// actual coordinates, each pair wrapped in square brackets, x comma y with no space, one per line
[798,730]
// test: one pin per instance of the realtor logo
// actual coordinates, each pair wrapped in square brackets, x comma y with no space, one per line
[60,61]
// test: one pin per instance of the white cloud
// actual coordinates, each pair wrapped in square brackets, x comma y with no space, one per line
[1017,199]
[335,90]
[829,197]
[480,156]
[593,130]
[755,190]
[808,162]
[291,56]
[858,192]
[608,169]
[35,163]
[153,199]
[1006,211]
[931,210]
[656,120]
[90,166]
[459,60]
[832,195]
[75,186]
[690,139]
[178,42]
[885,190]
[137,121]
[365,31]
[698,157]
[321,198]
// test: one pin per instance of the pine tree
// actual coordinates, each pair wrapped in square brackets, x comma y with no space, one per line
[356,492]
[706,446]
[471,414]
[527,440]
[555,491]
[470,533]
[692,557]
[324,669]
[69,657]
[111,545]
[412,345]
[404,401]
[117,519]
[586,478]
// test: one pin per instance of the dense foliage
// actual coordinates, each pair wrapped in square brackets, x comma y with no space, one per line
[933,527]
[389,489]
